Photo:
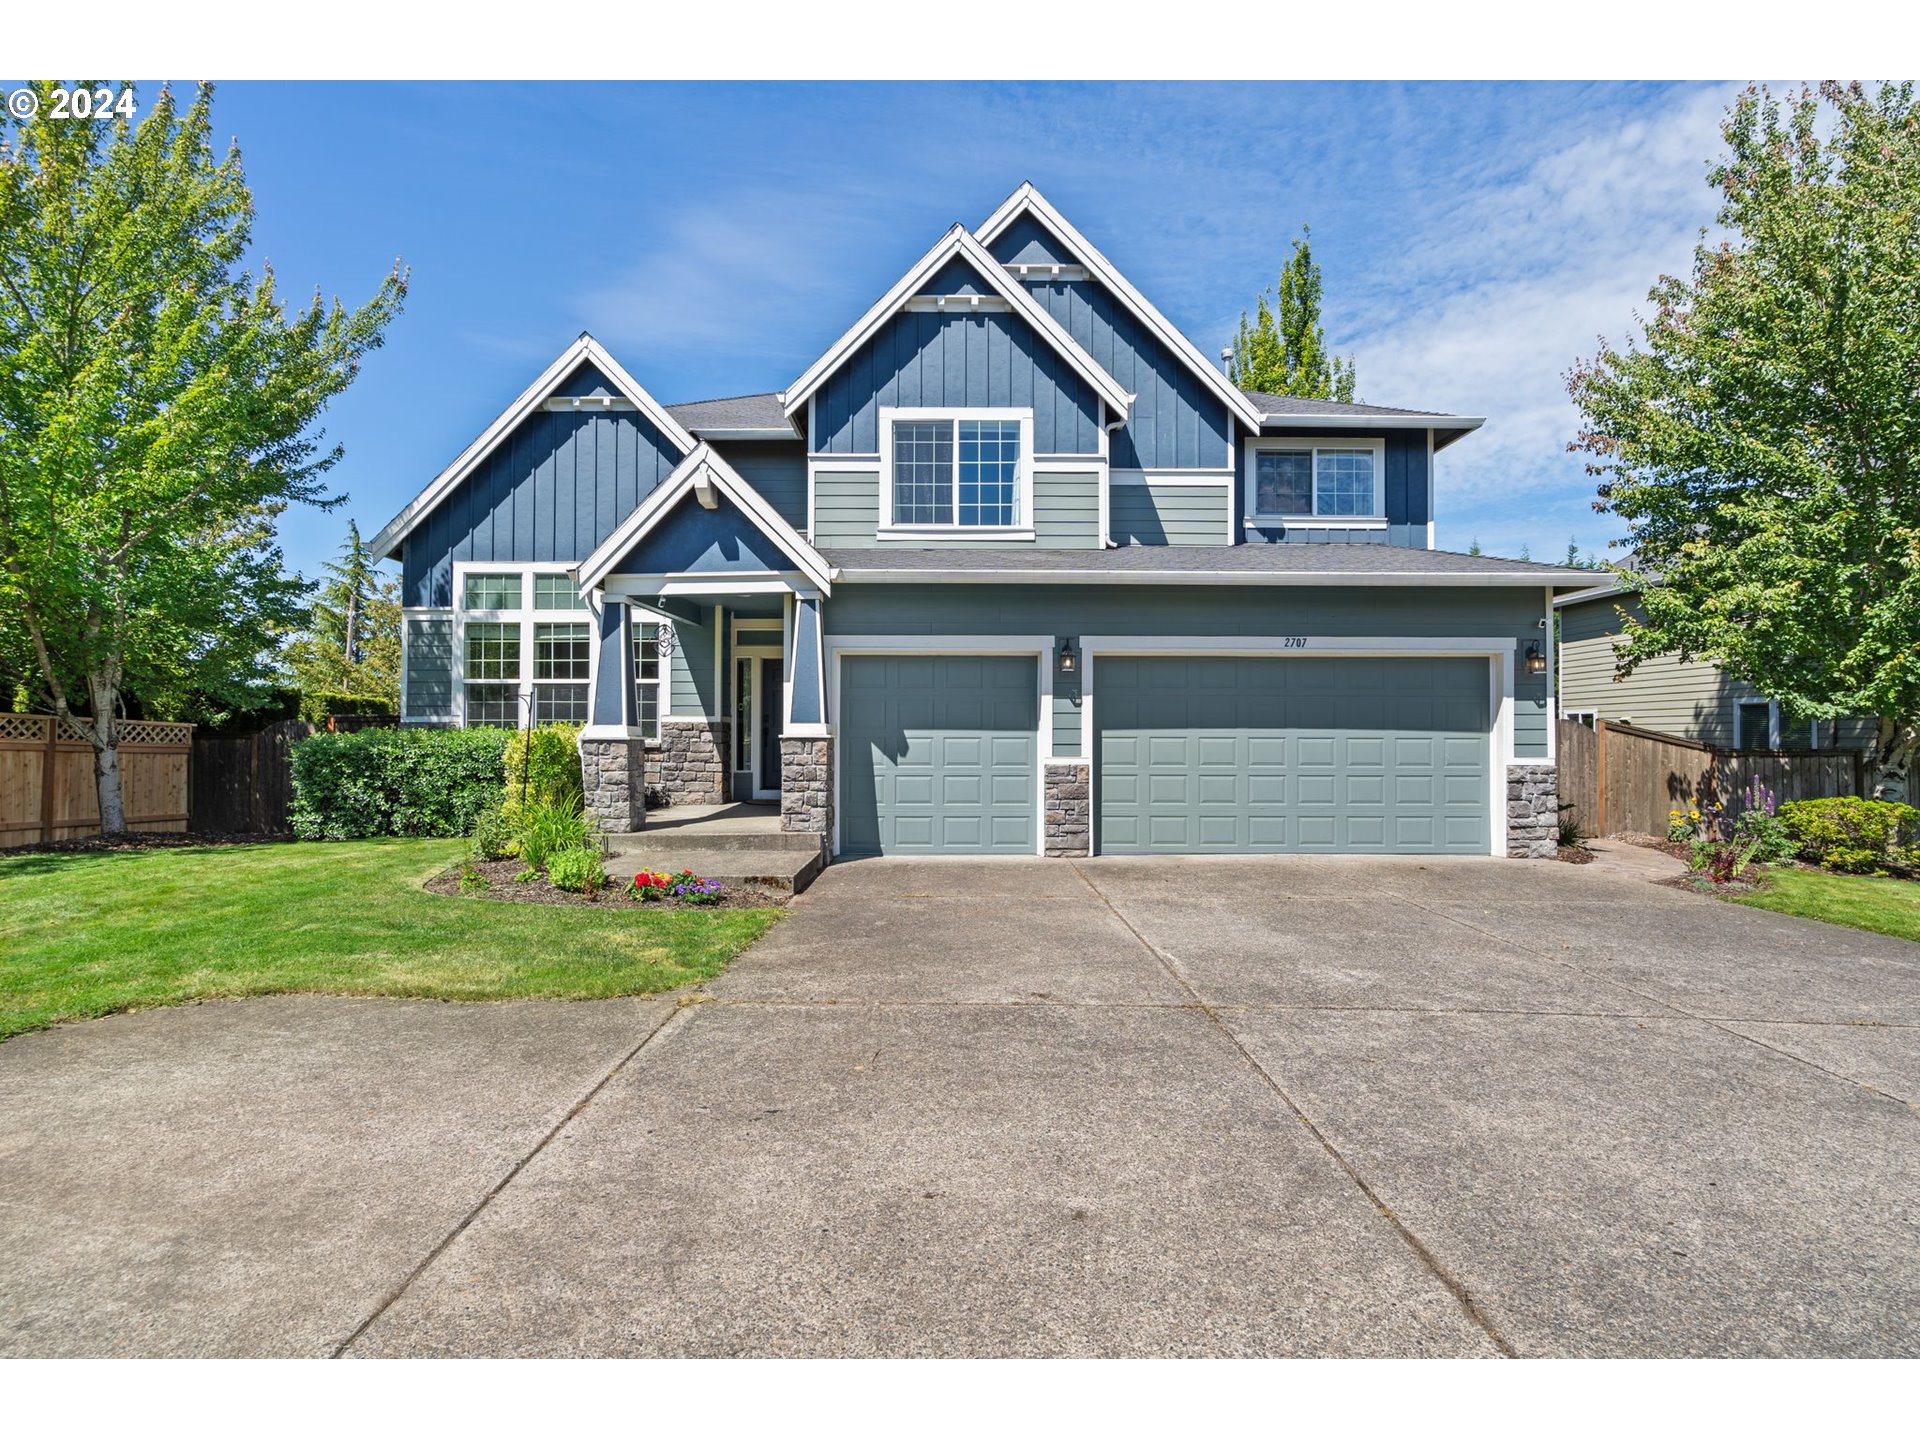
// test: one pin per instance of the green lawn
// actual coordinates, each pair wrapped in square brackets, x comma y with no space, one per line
[87,934]
[1886,907]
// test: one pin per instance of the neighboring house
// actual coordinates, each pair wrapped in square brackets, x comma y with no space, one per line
[1688,698]
[1011,568]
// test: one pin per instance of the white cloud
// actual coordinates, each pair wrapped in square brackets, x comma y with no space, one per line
[1521,276]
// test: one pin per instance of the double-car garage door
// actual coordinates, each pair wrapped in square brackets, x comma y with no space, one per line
[1192,754]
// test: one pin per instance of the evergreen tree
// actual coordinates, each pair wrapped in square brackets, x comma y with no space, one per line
[351,644]
[1284,350]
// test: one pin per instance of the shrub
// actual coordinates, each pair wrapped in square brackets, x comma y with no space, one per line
[543,767]
[1683,825]
[545,829]
[576,870]
[394,782]
[493,835]
[471,880]
[1852,834]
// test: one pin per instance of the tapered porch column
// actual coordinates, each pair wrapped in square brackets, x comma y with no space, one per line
[806,744]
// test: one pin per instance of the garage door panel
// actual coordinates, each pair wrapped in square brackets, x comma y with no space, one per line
[1294,753]
[939,754]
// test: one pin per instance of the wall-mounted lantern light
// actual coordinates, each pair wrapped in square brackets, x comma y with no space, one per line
[1069,662]
[1536,658]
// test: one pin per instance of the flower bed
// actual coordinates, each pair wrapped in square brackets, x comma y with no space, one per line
[503,882]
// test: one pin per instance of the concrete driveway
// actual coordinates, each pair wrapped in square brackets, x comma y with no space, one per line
[1267,1106]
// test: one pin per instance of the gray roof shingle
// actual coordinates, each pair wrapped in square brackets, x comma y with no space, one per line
[1334,563]
[736,412]
[1271,404]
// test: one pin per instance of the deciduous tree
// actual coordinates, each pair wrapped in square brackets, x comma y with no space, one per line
[157,414]
[1759,437]
[1284,350]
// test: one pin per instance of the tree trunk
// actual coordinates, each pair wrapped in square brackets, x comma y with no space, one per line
[1890,762]
[103,729]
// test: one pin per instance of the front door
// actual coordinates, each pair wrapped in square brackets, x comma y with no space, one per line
[766,770]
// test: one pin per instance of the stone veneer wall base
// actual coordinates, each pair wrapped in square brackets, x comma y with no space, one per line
[613,775]
[1069,809]
[806,787]
[1533,812]
[689,766]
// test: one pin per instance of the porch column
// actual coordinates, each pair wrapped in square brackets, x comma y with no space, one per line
[806,745]
[612,753]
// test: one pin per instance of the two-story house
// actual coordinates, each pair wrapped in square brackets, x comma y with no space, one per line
[1012,568]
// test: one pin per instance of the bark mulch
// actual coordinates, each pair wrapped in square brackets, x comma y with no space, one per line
[504,883]
[1574,855]
[144,840]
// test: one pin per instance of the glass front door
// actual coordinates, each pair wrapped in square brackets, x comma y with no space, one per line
[757,694]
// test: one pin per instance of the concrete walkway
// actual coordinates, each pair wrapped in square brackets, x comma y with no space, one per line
[1265,1106]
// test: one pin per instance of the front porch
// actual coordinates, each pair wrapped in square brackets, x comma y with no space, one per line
[738,844]
[708,694]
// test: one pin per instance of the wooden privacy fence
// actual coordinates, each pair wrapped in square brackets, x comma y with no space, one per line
[1622,780]
[47,789]
[243,784]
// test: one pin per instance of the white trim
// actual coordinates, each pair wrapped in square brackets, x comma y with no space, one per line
[1039,646]
[745,432]
[959,304]
[1255,445]
[1022,526]
[1375,422]
[857,574]
[1551,650]
[569,404]
[703,465]
[957,242]
[1028,199]
[1047,270]
[1430,487]
[1497,650]
[736,582]
[1597,592]
[585,349]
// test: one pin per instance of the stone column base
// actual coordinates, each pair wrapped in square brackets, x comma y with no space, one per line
[1533,812]
[613,775]
[1069,809]
[690,765]
[806,786]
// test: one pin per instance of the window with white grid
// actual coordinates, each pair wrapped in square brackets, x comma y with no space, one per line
[958,471]
[649,675]
[562,660]
[556,592]
[1297,480]
[490,591]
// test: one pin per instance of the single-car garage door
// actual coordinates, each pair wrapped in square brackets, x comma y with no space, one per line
[939,755]
[1298,753]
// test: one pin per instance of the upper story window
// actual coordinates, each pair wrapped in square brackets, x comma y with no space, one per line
[956,470]
[1303,480]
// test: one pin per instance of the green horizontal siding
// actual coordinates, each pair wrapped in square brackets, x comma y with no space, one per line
[1066,513]
[1169,514]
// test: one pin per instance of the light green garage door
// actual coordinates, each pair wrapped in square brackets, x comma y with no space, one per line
[1333,754]
[938,755]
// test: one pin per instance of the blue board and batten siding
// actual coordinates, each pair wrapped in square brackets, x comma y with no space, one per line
[777,471]
[1405,476]
[923,358]
[555,488]
[1179,421]
[1257,612]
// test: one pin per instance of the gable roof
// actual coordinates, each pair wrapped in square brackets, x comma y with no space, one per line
[1029,201]
[585,350]
[703,465]
[957,242]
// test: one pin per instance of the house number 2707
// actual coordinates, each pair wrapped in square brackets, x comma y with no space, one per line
[1293,642]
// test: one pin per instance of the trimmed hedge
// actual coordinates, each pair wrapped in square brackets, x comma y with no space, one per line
[395,782]
[1847,833]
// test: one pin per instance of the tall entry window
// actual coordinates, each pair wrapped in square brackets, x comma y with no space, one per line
[956,471]
[525,652]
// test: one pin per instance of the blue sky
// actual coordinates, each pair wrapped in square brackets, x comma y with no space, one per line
[1475,238]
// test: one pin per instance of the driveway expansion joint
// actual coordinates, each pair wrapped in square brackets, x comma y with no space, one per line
[672,1020]
[1451,1282]
[1676,1011]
